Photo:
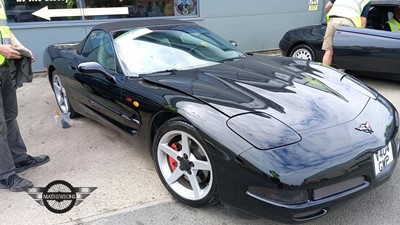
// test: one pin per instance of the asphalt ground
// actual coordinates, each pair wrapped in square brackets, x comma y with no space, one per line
[128,188]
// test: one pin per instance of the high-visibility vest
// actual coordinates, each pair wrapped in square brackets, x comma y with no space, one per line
[5,32]
[394,25]
[350,9]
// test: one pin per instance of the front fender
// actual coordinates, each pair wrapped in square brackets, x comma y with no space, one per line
[212,125]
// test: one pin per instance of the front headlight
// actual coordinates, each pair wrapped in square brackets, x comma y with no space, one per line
[359,86]
[263,131]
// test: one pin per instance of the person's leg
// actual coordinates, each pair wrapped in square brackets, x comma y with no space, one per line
[15,142]
[6,160]
[328,57]
[8,178]
[22,160]
[327,45]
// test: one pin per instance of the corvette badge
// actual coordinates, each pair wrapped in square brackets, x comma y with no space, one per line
[365,127]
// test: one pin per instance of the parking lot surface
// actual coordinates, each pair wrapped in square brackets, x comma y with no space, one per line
[128,188]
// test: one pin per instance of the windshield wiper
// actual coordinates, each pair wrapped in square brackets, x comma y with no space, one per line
[161,71]
[231,59]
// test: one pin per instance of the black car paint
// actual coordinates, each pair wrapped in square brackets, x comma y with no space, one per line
[229,91]
[369,51]
[304,166]
[311,36]
[253,85]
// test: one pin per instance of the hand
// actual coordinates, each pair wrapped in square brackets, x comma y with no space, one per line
[10,52]
[29,51]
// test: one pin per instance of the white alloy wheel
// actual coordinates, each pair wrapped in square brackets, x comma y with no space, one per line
[185,165]
[303,52]
[60,94]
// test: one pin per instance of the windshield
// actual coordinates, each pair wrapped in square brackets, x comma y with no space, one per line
[144,51]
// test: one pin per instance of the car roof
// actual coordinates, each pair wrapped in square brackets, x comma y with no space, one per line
[112,27]
[131,24]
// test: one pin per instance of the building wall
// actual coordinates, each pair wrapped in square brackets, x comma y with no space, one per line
[255,25]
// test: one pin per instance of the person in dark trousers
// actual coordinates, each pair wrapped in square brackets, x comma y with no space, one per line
[393,24]
[13,153]
[352,13]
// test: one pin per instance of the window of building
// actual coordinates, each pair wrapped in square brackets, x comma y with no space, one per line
[19,11]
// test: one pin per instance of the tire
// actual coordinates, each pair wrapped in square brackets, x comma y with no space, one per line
[186,172]
[61,95]
[303,52]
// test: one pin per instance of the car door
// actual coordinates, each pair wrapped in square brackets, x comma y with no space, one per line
[362,49]
[99,91]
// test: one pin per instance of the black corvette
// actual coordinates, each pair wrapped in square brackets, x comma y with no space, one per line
[277,137]
[370,51]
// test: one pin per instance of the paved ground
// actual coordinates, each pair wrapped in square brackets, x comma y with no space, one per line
[129,191]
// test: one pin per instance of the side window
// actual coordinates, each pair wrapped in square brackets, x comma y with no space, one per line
[91,48]
[106,56]
[98,48]
[377,18]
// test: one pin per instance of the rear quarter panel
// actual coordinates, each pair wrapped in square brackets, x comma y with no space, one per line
[309,35]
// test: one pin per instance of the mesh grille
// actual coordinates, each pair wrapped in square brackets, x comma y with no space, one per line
[338,187]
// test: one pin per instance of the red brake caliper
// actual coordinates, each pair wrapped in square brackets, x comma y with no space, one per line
[172,162]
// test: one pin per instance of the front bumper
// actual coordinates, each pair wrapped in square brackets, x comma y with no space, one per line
[235,190]
[331,165]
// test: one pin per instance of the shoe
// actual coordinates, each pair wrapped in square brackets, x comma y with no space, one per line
[15,183]
[31,162]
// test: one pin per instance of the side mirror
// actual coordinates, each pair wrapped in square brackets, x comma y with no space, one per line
[95,67]
[233,43]
[92,67]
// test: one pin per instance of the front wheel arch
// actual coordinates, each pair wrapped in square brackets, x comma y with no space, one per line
[51,69]
[156,122]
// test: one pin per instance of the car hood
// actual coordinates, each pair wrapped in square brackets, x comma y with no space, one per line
[304,95]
